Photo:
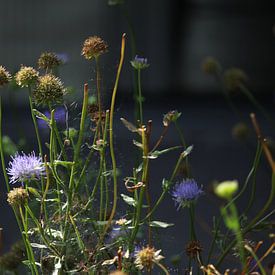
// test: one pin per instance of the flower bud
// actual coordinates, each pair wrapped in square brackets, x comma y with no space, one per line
[226,189]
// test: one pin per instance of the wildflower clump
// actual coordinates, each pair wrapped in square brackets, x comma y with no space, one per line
[93,47]
[26,76]
[48,61]
[186,192]
[5,76]
[17,196]
[146,257]
[139,63]
[25,167]
[48,90]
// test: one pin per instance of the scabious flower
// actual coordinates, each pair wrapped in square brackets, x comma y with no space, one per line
[49,61]
[5,76]
[25,167]
[17,196]
[93,47]
[186,192]
[146,257]
[139,63]
[26,76]
[59,116]
[48,90]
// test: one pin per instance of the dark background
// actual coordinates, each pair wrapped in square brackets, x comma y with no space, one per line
[175,36]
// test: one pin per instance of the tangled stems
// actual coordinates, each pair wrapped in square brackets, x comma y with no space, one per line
[111,136]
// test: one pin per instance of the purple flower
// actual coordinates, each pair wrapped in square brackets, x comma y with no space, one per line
[25,167]
[63,57]
[139,63]
[186,192]
[59,116]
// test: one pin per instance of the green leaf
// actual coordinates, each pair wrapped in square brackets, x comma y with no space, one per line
[157,153]
[34,192]
[129,200]
[63,163]
[160,224]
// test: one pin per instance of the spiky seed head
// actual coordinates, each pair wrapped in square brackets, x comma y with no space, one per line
[93,47]
[26,76]
[17,196]
[193,248]
[48,61]
[49,89]
[210,66]
[233,78]
[5,76]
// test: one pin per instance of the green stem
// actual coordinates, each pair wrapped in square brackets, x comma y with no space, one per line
[111,137]
[98,96]
[140,98]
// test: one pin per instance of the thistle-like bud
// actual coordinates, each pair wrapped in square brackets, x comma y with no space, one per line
[240,131]
[26,76]
[17,196]
[48,61]
[210,66]
[193,248]
[93,47]
[226,189]
[171,116]
[233,78]
[139,63]
[5,76]
[49,89]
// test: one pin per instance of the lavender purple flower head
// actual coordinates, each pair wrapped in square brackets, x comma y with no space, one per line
[25,167]
[139,63]
[186,192]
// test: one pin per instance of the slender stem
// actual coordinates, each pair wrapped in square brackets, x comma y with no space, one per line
[250,250]
[98,79]
[112,138]
[162,267]
[140,98]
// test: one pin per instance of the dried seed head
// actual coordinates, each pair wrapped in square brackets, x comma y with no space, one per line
[48,61]
[93,47]
[49,89]
[146,257]
[233,78]
[5,76]
[26,76]
[210,66]
[17,196]
[193,248]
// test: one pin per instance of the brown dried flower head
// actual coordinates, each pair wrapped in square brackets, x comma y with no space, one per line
[93,47]
[26,76]
[5,76]
[49,89]
[17,196]
[193,248]
[48,61]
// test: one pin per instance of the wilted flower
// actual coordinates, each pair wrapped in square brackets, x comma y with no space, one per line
[226,189]
[171,116]
[233,78]
[5,76]
[93,47]
[146,257]
[139,63]
[186,192]
[26,76]
[25,167]
[17,196]
[49,89]
[210,66]
[48,61]
[59,117]
[193,248]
